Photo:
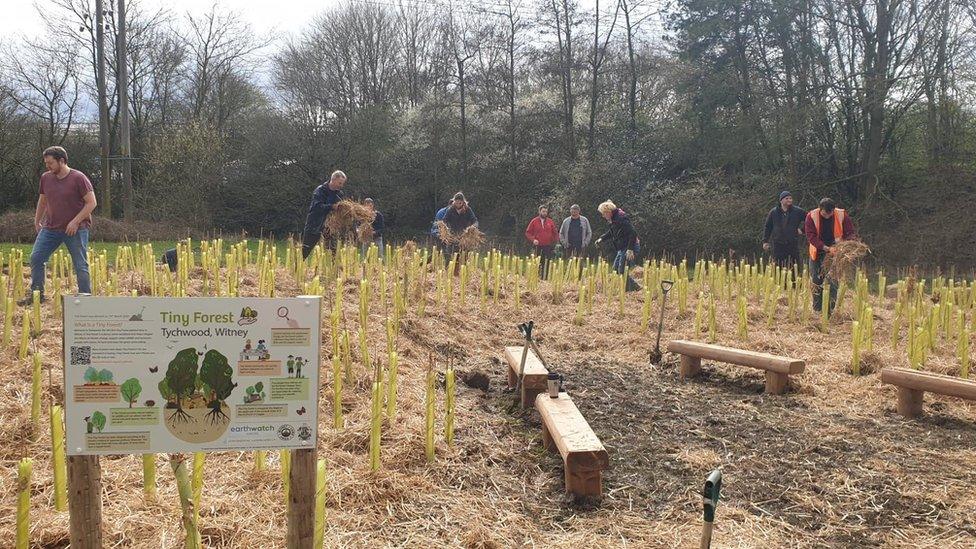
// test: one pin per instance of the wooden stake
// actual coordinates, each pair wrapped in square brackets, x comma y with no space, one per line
[85,502]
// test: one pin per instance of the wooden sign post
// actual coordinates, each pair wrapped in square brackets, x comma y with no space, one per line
[85,502]
[301,499]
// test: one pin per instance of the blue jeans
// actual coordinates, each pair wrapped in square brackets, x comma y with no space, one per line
[46,243]
[620,261]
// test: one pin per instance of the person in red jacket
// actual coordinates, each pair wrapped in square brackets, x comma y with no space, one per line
[824,228]
[543,235]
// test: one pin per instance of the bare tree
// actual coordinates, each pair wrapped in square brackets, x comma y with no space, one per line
[44,83]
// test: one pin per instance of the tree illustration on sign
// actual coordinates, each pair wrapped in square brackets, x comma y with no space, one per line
[130,390]
[98,420]
[216,375]
[98,377]
[181,377]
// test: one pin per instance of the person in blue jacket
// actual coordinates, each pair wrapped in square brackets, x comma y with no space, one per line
[325,196]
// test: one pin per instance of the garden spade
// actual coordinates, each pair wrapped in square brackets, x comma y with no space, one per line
[525,329]
[656,354]
[710,495]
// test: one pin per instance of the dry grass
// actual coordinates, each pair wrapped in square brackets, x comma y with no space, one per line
[471,239]
[829,464]
[843,261]
[444,232]
[345,216]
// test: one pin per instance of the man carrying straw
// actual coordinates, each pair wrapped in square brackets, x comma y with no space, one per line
[826,227]
[324,198]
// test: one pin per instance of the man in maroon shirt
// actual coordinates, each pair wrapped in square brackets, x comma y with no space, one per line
[824,227]
[63,216]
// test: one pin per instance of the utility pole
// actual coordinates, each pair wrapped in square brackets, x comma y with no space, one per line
[125,151]
[103,138]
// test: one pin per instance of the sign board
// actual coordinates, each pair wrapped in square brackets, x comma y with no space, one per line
[198,374]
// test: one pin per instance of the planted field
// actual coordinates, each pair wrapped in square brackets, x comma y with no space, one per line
[417,451]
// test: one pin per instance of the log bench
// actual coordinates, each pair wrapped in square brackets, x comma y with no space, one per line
[913,384]
[534,379]
[778,368]
[564,429]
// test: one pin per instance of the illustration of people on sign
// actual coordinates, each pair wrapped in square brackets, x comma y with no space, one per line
[291,365]
[258,353]
[298,367]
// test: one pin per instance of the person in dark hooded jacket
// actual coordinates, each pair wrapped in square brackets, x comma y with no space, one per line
[325,196]
[458,218]
[621,237]
[781,234]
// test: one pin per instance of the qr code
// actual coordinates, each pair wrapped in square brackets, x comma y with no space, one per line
[80,355]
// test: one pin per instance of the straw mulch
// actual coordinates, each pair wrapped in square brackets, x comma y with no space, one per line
[829,464]
[471,238]
[345,216]
[843,261]
[444,232]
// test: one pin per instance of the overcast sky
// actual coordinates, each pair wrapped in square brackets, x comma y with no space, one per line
[265,16]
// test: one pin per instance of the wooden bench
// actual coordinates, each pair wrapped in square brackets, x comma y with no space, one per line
[534,379]
[564,429]
[778,369]
[913,384]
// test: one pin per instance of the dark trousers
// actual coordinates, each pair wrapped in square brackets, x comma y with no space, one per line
[786,255]
[309,239]
[545,254]
[819,280]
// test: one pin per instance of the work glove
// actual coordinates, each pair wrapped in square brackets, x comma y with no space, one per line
[630,255]
[598,241]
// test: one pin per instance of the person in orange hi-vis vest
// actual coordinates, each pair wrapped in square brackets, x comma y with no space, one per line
[824,228]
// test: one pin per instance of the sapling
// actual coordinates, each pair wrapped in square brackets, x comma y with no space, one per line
[391,386]
[58,458]
[699,313]
[178,464]
[149,476]
[743,319]
[962,347]
[24,471]
[337,421]
[36,311]
[24,336]
[376,422]
[284,457]
[429,414]
[712,324]
[449,390]
[197,482]
[8,320]
[36,396]
[321,491]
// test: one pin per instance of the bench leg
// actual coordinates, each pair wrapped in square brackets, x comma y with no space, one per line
[528,396]
[909,402]
[584,483]
[512,378]
[776,383]
[690,366]
[547,440]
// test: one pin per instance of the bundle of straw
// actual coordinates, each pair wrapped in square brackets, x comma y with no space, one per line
[345,215]
[841,263]
[444,232]
[364,233]
[471,238]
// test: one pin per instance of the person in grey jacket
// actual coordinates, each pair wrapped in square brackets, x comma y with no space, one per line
[575,232]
